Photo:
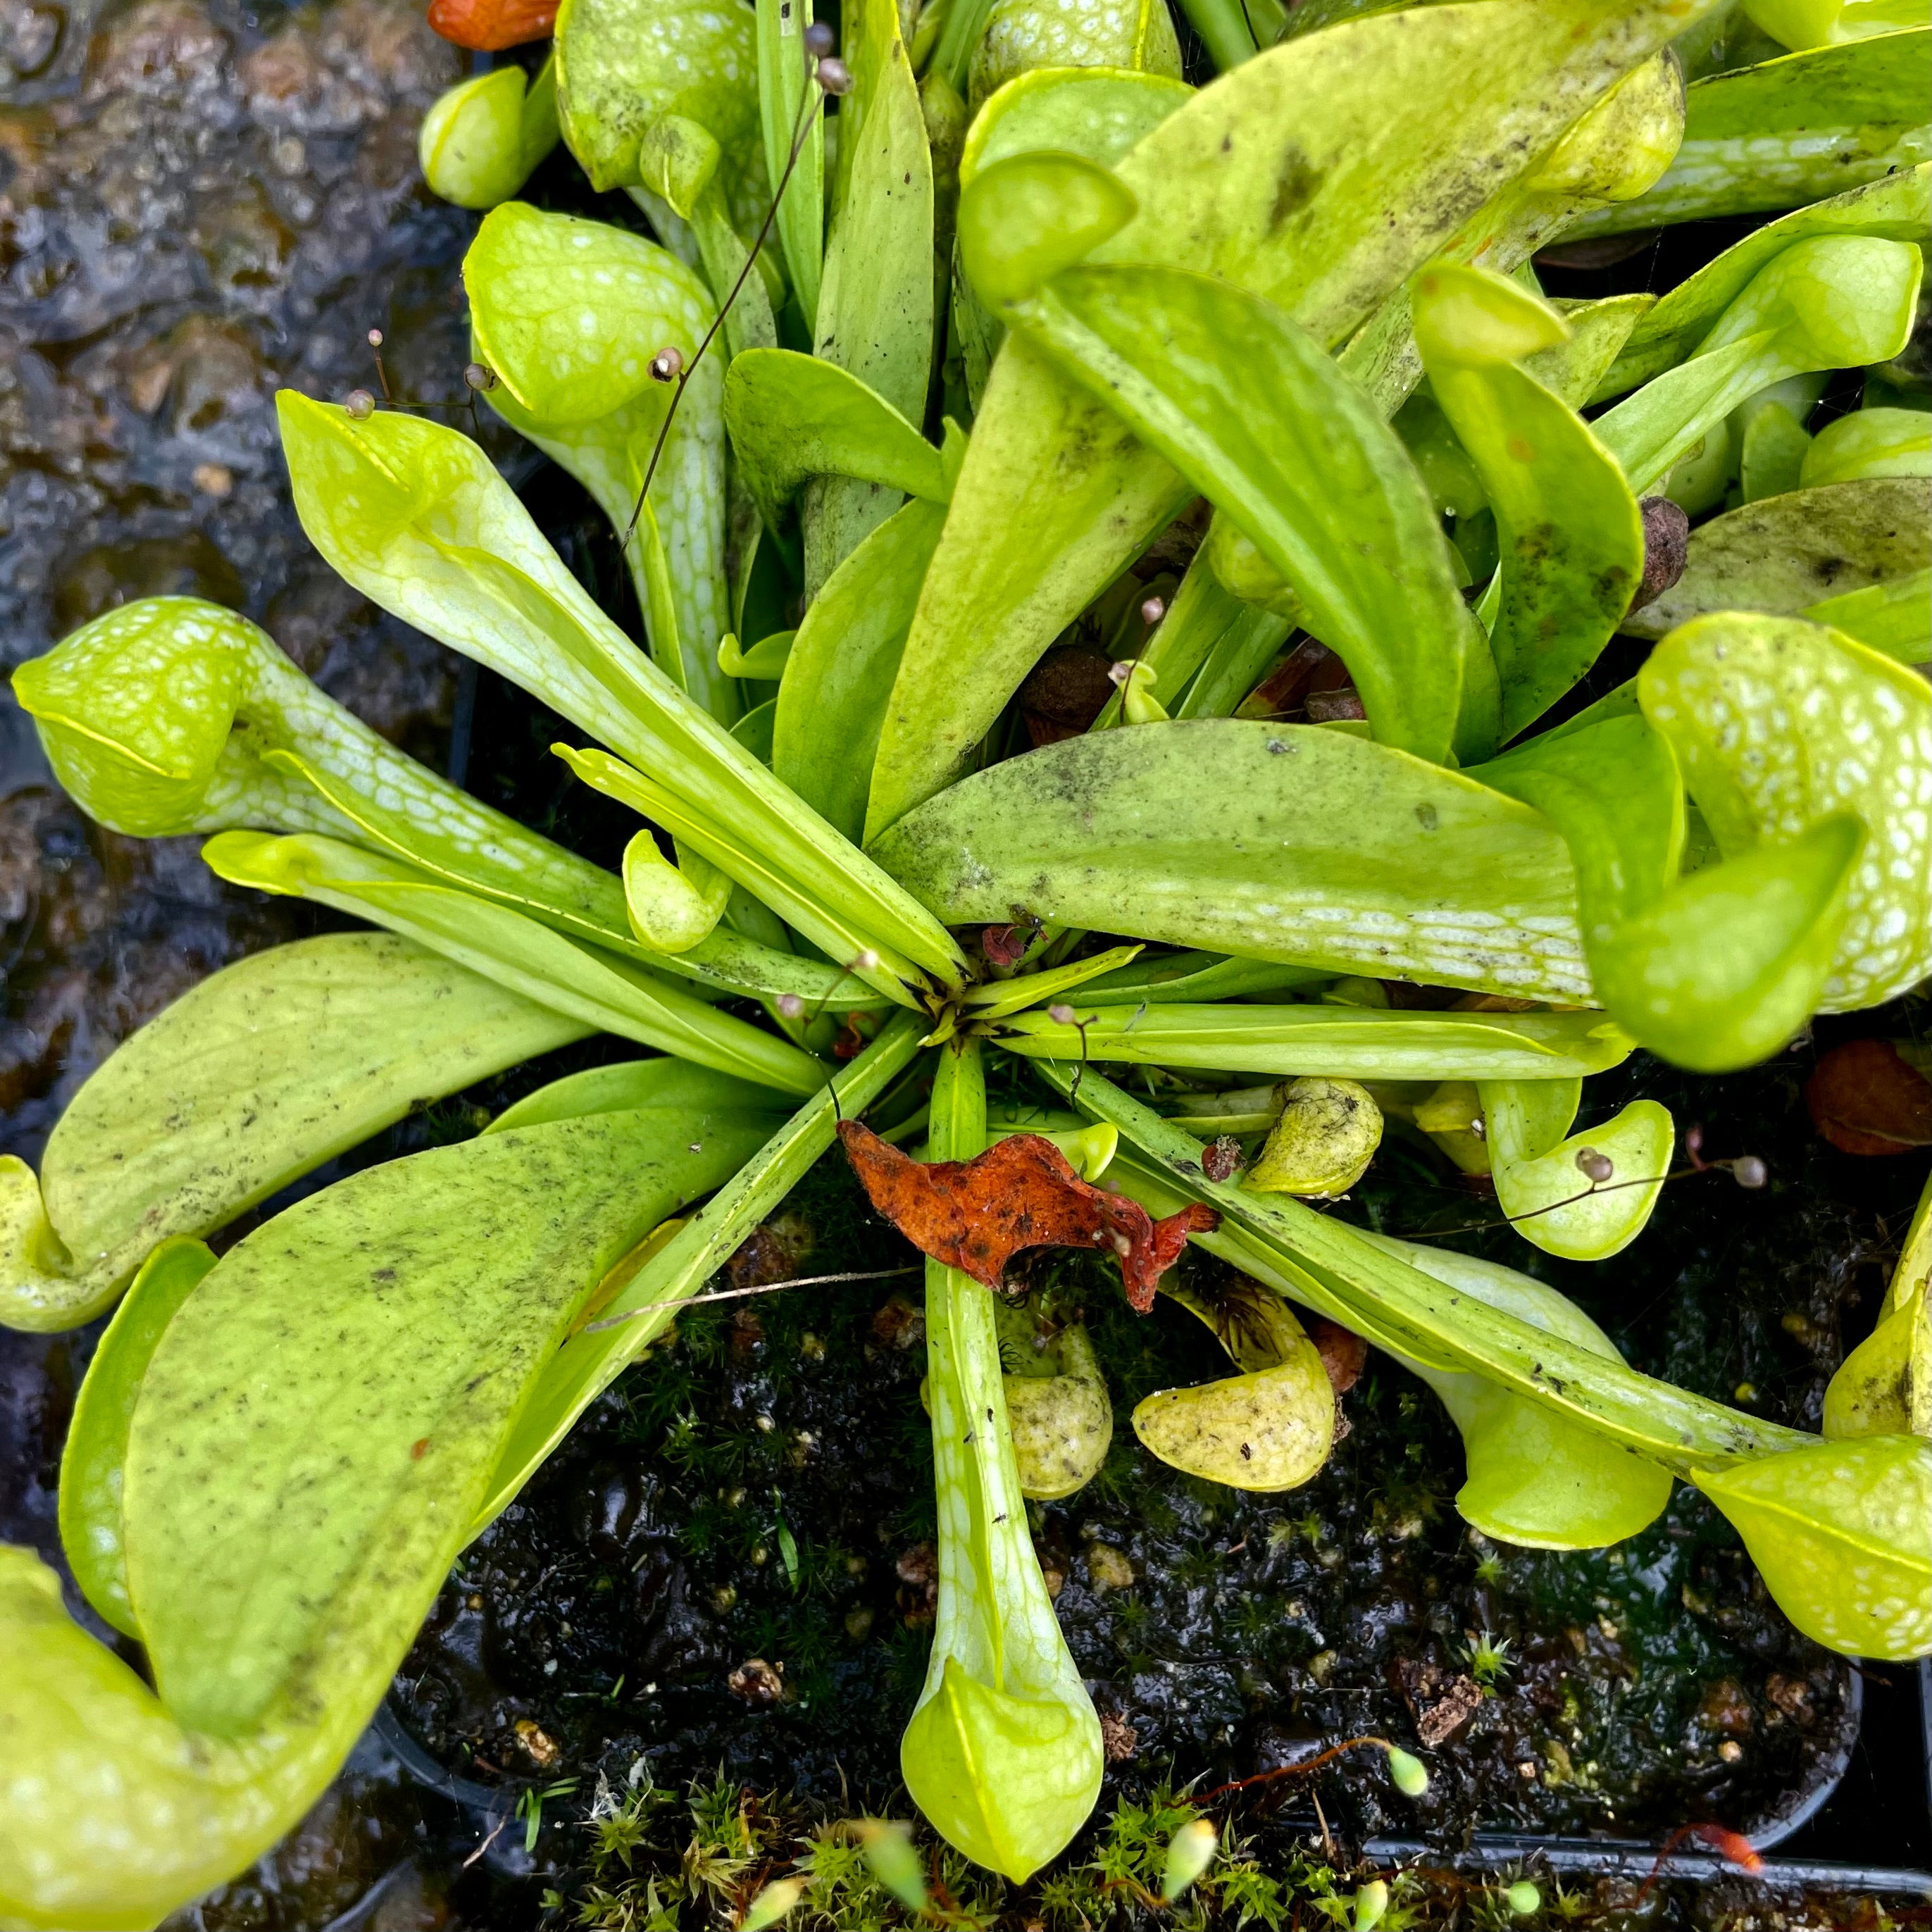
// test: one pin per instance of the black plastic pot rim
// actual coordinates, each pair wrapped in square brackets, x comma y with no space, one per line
[1600,1859]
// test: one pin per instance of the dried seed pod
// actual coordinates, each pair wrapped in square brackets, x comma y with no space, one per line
[1327,1134]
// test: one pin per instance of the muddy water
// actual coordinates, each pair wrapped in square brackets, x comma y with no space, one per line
[197,206]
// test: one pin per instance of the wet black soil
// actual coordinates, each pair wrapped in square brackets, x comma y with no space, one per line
[760,1490]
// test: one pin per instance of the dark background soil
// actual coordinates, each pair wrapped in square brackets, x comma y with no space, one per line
[199,204]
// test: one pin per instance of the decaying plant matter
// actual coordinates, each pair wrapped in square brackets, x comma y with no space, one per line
[1031,348]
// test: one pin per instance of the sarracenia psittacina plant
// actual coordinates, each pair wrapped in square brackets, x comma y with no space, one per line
[1836,1528]
[574,320]
[1271,1427]
[484,139]
[863,492]
[1884,1386]
[1781,134]
[217,1401]
[1003,1754]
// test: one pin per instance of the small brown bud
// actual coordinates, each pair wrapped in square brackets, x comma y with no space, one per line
[1006,945]
[819,39]
[479,376]
[790,1005]
[375,338]
[668,364]
[1666,547]
[1061,1014]
[358,406]
[1594,1167]
[1152,611]
[834,76]
[1221,1158]
[1747,1171]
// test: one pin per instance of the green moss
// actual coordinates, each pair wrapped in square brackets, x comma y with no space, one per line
[658,1862]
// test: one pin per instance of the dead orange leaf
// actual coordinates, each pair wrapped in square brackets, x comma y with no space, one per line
[1864,1099]
[975,1215]
[489,26]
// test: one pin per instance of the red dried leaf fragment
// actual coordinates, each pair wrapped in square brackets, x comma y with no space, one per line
[1170,1236]
[1309,666]
[489,26]
[1344,1354]
[975,1215]
[1733,1845]
[1864,1099]
[1007,945]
